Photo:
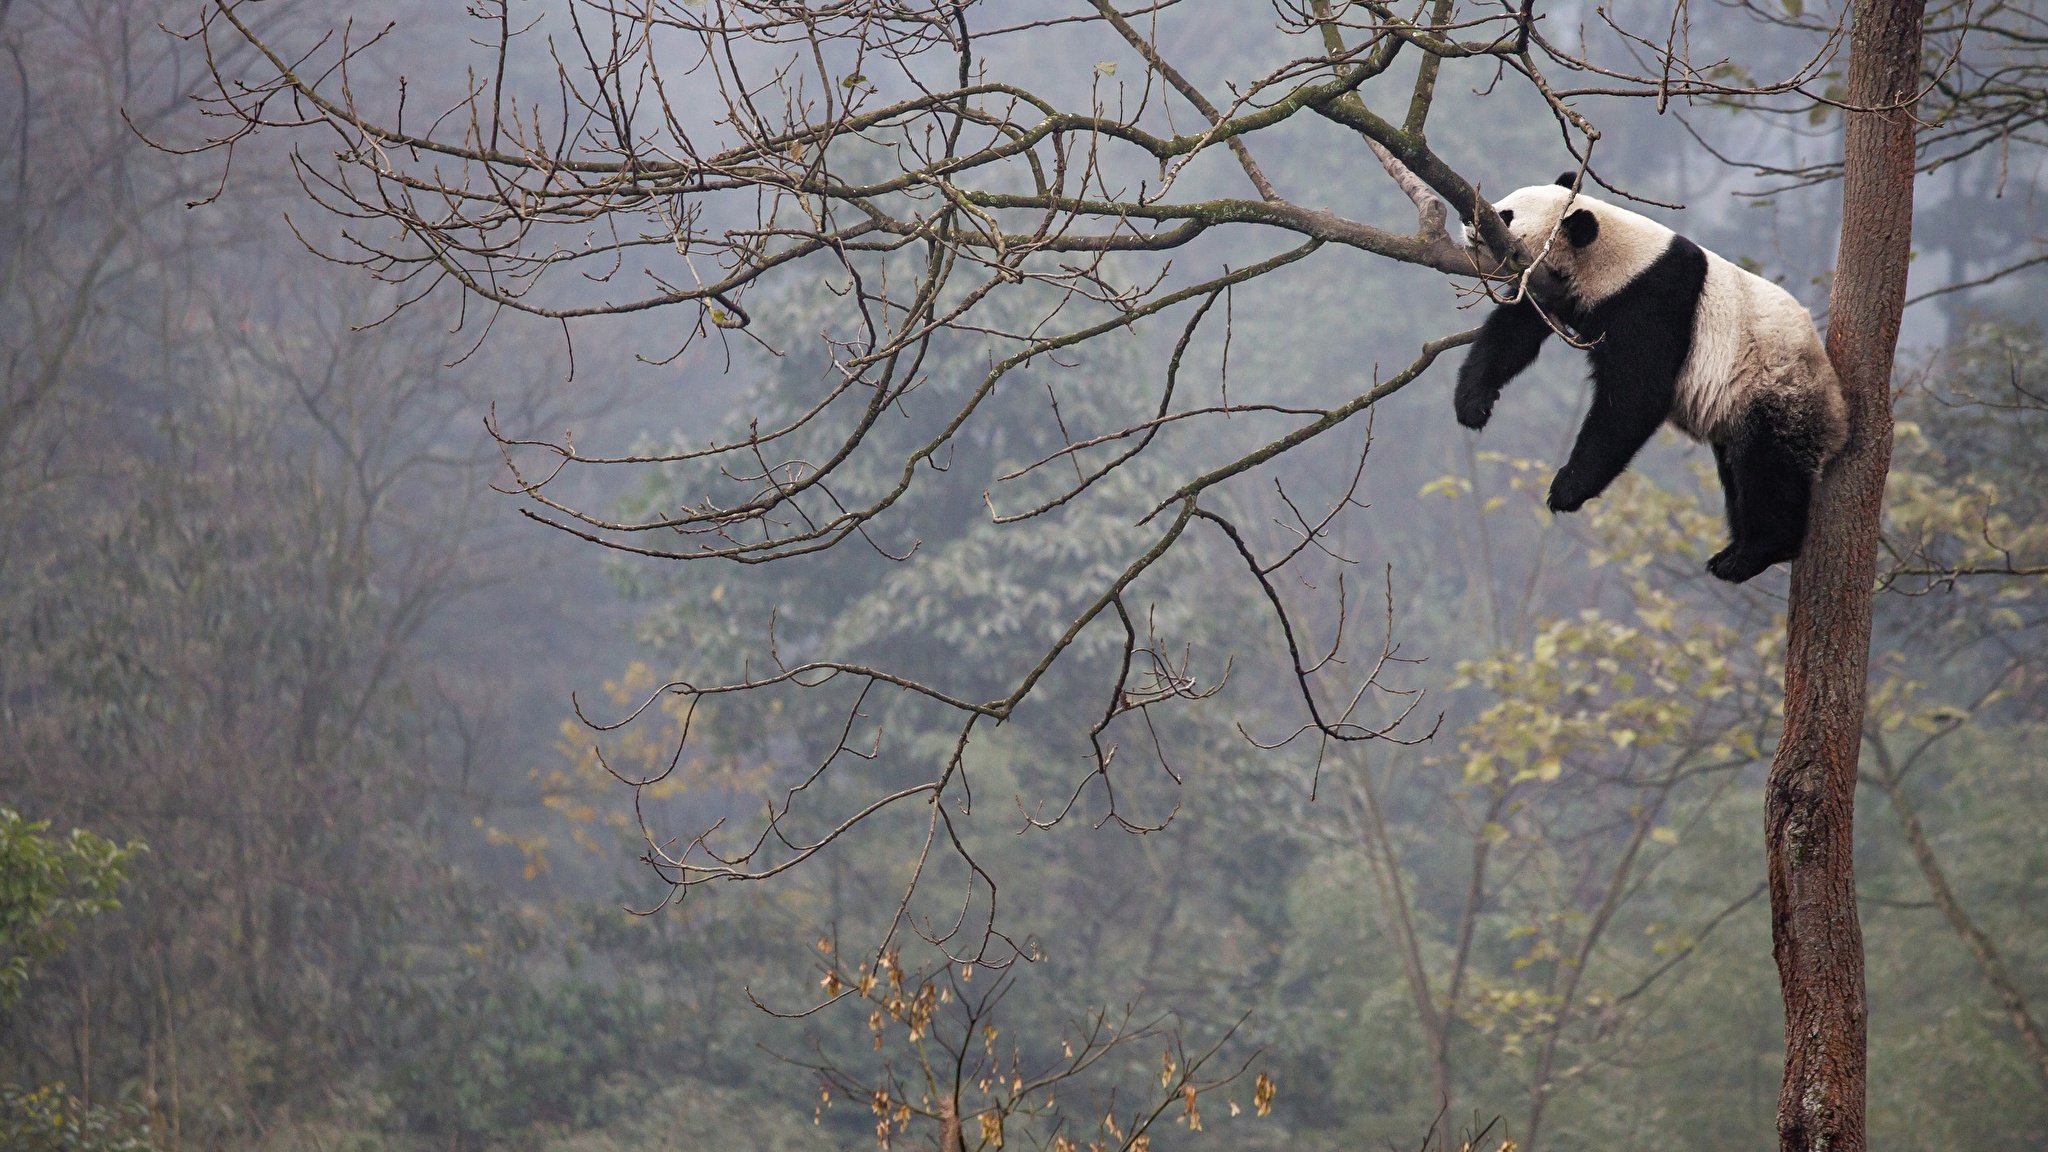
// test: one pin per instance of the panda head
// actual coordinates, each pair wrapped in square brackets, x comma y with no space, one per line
[1588,245]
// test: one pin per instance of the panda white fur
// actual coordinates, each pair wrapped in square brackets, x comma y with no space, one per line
[1677,334]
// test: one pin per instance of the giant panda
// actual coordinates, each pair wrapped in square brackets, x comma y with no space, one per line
[1676,333]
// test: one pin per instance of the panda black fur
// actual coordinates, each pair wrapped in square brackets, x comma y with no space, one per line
[1677,334]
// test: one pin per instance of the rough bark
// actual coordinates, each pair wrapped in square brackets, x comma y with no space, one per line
[1810,810]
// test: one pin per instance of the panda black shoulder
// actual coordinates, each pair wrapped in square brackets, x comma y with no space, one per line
[1665,295]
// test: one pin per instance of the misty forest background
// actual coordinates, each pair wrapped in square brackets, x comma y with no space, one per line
[261,611]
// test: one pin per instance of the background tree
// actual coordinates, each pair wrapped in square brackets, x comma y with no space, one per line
[47,887]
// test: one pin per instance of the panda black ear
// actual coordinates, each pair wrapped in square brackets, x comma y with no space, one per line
[1568,179]
[1581,228]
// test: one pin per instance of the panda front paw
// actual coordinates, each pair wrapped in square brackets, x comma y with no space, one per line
[1474,407]
[1736,566]
[1569,491]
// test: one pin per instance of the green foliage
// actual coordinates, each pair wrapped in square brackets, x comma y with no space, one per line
[494,1050]
[46,887]
[49,1119]
[1968,491]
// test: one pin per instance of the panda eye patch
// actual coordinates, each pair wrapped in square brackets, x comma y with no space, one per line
[1507,215]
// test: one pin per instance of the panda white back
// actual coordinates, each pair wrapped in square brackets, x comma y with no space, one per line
[1753,340]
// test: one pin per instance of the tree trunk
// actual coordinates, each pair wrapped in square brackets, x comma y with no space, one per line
[1810,807]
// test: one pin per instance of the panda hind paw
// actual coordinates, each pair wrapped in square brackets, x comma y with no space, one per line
[1569,491]
[1736,566]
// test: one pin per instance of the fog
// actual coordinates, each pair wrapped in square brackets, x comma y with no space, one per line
[274,604]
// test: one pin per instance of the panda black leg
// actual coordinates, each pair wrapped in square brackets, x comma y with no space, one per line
[1730,499]
[1623,416]
[1773,486]
[1508,342]
[1640,341]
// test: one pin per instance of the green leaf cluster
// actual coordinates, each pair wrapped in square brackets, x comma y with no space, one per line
[50,1119]
[47,885]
